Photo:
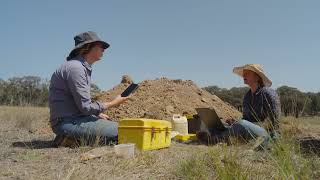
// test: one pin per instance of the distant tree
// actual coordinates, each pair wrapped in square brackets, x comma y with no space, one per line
[96,92]
[95,88]
[293,101]
[3,86]
[314,106]
[26,90]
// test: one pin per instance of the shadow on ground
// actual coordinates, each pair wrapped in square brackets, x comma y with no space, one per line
[34,144]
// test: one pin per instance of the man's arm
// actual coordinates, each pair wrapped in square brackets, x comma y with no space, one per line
[80,90]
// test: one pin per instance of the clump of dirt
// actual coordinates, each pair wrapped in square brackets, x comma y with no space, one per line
[126,79]
[310,145]
[161,98]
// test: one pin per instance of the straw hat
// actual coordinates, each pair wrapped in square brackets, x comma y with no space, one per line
[255,68]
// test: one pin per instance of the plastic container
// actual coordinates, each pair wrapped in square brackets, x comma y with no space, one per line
[146,134]
[124,150]
[180,124]
[184,138]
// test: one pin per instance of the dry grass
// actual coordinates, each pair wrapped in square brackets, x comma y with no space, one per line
[25,153]
[26,118]
[284,160]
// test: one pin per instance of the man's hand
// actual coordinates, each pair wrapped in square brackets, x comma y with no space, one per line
[104,116]
[117,101]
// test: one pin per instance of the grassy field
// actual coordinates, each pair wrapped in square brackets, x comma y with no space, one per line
[26,153]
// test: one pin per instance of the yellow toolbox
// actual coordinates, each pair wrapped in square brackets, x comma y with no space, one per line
[147,134]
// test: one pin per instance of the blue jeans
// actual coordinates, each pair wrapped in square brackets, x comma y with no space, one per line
[242,129]
[87,128]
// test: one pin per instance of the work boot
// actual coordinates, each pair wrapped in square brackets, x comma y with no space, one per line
[64,141]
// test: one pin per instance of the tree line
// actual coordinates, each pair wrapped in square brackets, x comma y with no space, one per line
[34,91]
[293,101]
[23,91]
[28,91]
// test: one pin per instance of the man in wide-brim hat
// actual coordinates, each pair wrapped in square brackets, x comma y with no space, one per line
[73,115]
[257,71]
[261,109]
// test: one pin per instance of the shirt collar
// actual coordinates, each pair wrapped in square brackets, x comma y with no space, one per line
[85,63]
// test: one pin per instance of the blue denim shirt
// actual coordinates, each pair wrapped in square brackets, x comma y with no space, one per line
[69,91]
[262,105]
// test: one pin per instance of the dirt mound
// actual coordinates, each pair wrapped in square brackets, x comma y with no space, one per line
[161,98]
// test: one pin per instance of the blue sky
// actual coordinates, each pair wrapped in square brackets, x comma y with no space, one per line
[180,39]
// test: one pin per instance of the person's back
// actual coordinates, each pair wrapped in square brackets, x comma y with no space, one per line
[62,101]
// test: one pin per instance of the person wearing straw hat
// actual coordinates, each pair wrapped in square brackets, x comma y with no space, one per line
[261,104]
[73,115]
[261,111]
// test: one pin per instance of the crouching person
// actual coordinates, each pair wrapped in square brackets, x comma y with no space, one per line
[261,111]
[74,117]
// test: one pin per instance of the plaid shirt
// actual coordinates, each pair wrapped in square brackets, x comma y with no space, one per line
[262,105]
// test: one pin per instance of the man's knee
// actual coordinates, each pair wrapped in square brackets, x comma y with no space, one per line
[107,128]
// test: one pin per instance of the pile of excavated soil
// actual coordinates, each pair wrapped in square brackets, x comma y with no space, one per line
[161,98]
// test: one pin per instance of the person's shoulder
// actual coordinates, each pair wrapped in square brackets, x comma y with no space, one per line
[70,64]
[74,66]
[73,63]
[268,91]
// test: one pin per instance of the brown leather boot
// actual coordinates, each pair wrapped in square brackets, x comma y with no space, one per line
[64,141]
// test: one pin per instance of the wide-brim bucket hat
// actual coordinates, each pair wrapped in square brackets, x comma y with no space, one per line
[85,38]
[257,68]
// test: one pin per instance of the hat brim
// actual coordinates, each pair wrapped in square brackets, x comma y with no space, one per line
[104,44]
[265,79]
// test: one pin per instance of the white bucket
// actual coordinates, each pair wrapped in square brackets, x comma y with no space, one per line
[180,124]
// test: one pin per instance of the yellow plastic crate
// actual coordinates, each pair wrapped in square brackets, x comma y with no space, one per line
[147,134]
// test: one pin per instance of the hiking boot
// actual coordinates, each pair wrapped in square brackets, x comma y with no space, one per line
[64,141]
